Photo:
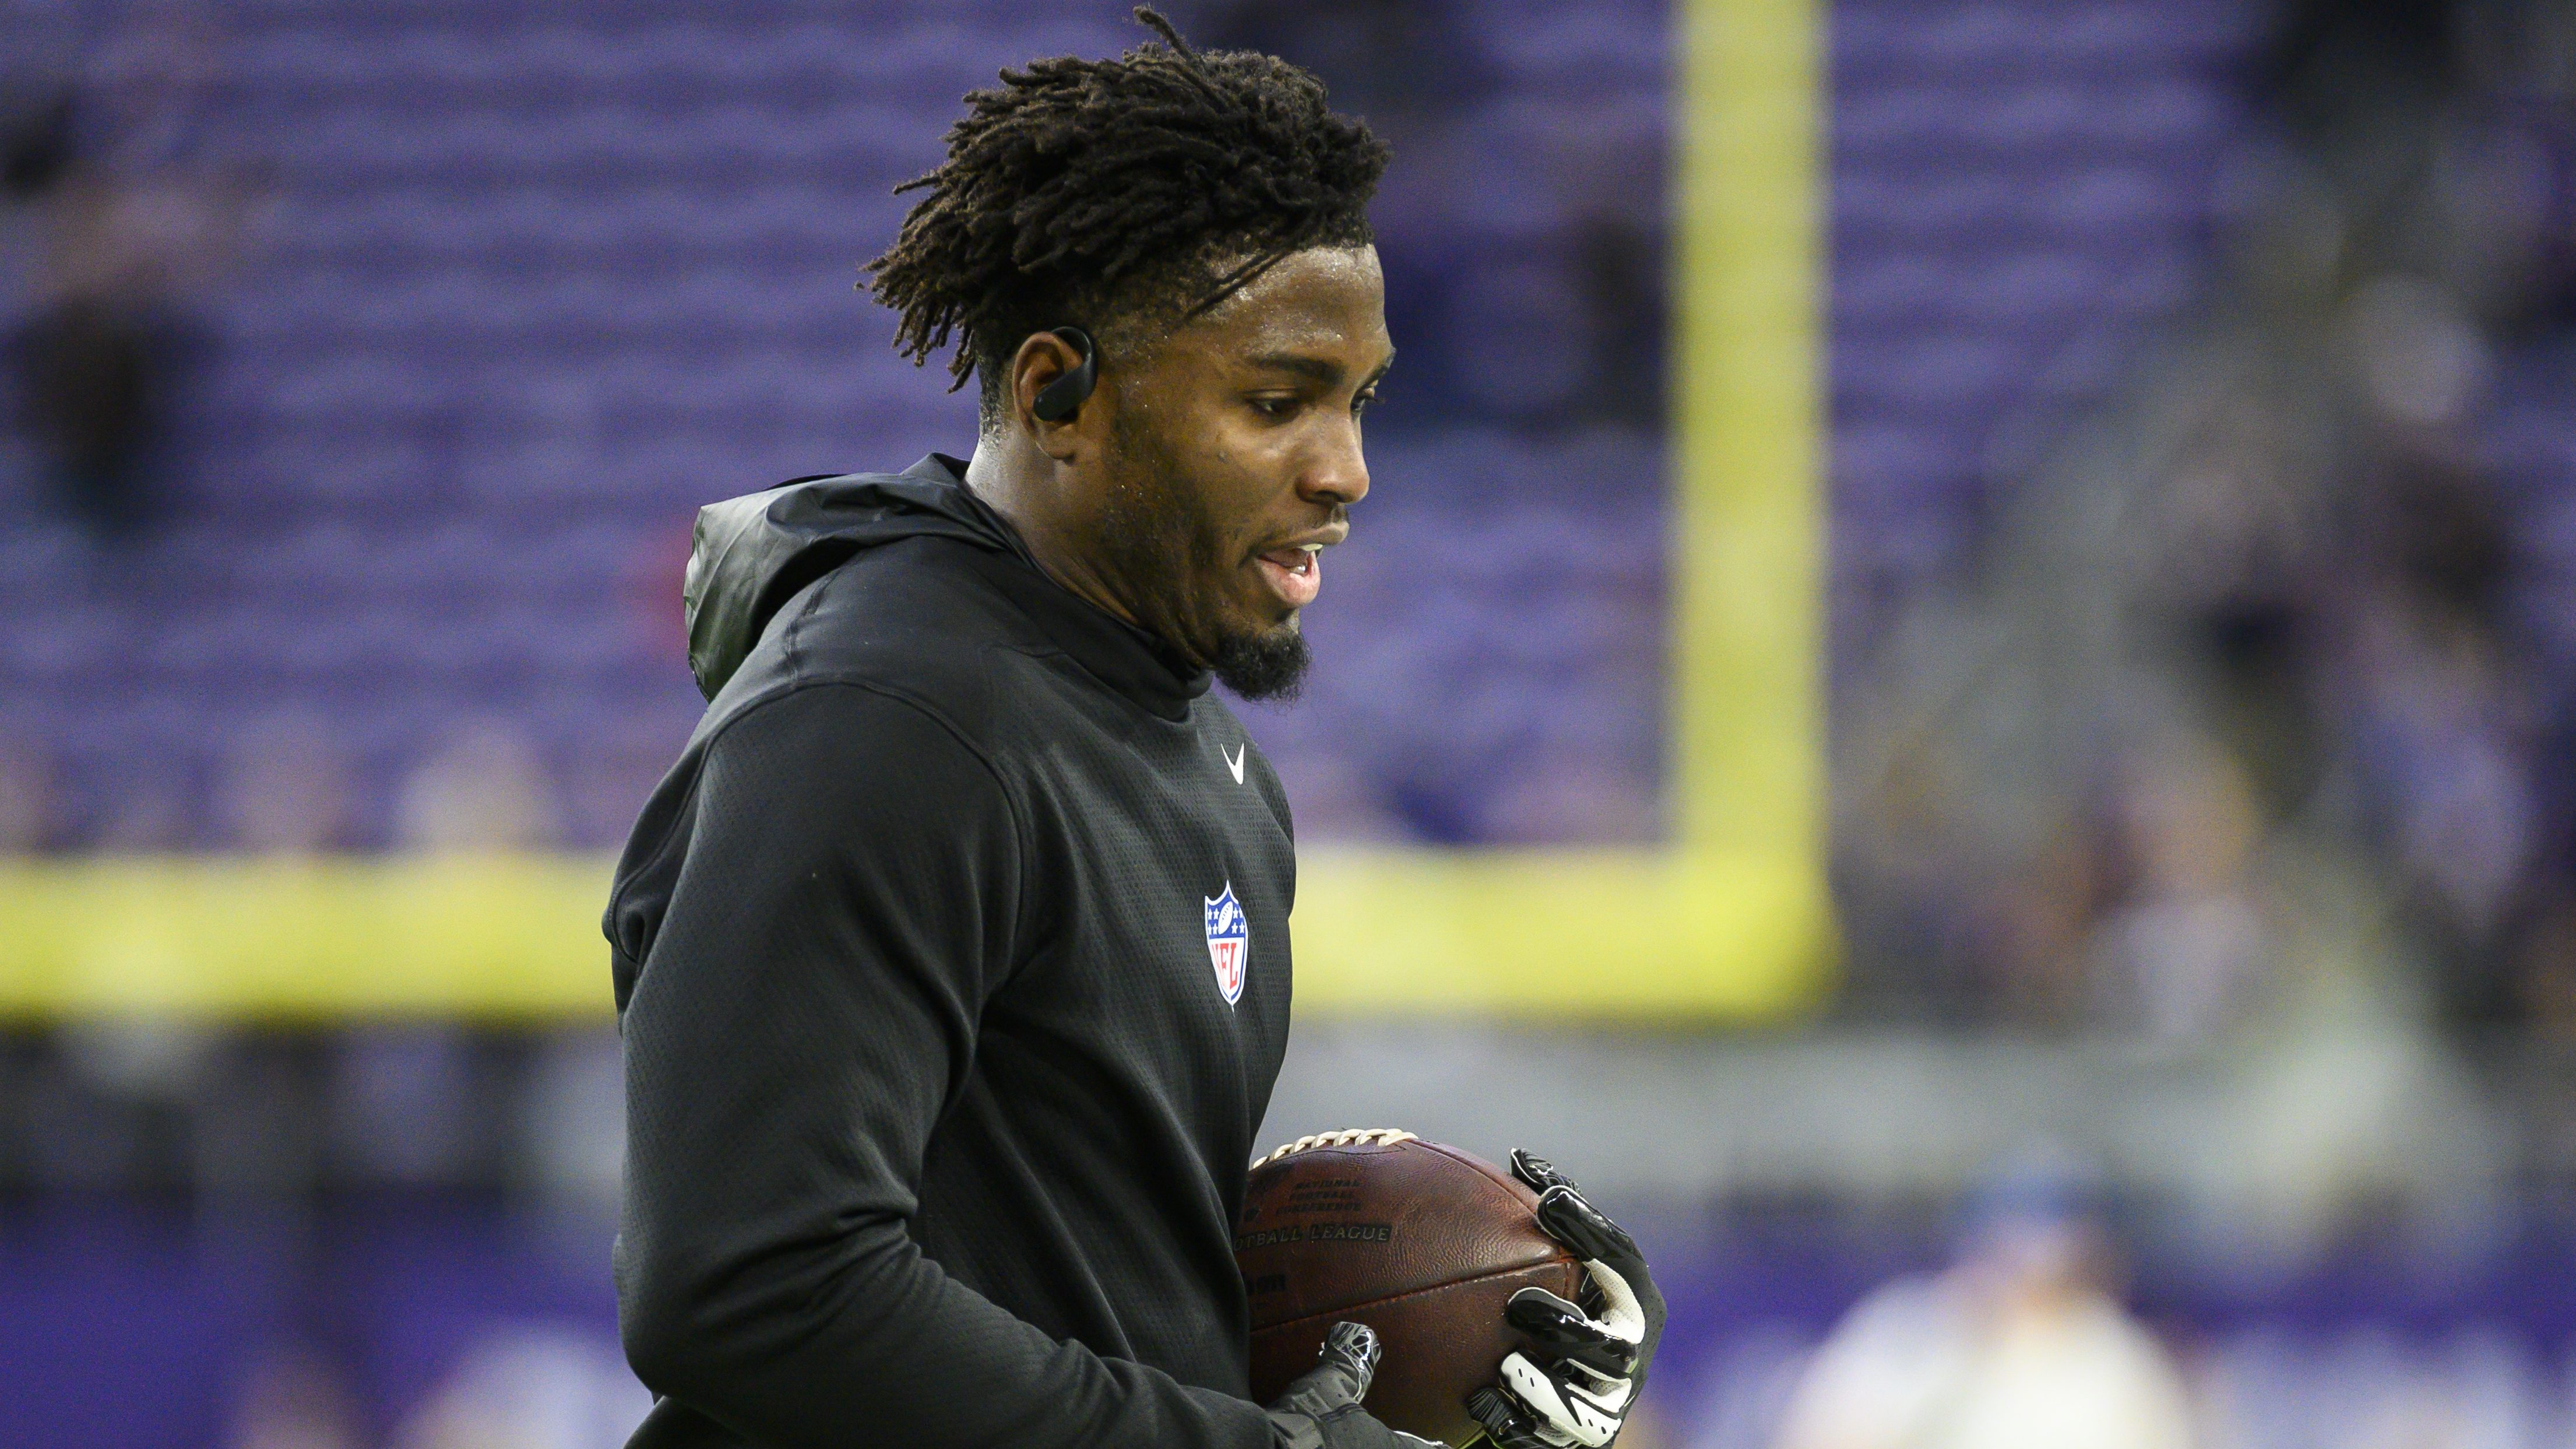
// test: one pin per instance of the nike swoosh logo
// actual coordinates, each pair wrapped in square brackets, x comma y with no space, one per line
[1234,761]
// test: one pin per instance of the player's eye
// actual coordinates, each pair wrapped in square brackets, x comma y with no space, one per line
[1274,405]
[1360,403]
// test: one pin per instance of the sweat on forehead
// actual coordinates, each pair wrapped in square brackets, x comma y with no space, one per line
[1284,282]
[1319,312]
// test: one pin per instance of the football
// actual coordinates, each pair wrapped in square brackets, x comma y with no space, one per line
[1420,1241]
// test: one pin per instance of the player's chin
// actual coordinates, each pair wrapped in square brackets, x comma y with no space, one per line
[1263,663]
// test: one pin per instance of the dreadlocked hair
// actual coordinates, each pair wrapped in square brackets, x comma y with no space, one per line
[1093,191]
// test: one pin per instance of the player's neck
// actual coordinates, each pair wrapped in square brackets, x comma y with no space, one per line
[1025,486]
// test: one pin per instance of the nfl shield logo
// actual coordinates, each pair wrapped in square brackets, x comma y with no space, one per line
[1228,938]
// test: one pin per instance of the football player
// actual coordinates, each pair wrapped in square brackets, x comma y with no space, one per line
[952,956]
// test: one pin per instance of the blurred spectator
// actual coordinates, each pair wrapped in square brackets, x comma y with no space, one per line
[95,387]
[284,788]
[485,789]
[293,1399]
[128,230]
[1619,266]
[2179,956]
[122,1111]
[258,1127]
[150,814]
[2019,1346]
[573,1121]
[26,799]
[531,1387]
[609,772]
[408,1104]
[2546,974]
[35,148]
[37,109]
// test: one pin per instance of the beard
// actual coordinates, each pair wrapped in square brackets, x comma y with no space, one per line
[1267,665]
[1167,557]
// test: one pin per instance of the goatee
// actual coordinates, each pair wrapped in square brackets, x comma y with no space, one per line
[1267,665]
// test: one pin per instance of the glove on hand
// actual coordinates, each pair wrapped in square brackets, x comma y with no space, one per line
[1321,1409]
[1583,1396]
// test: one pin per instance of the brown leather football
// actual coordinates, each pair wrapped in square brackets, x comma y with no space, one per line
[1422,1242]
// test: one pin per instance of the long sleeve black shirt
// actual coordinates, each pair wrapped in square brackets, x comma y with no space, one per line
[938,1100]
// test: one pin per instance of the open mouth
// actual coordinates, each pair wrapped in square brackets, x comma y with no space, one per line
[1295,573]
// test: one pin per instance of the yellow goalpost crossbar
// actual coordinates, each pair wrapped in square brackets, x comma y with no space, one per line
[1727,922]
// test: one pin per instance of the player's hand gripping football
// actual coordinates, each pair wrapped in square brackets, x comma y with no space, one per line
[1321,1409]
[1582,1395]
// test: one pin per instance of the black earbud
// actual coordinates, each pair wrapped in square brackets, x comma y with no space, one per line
[1059,399]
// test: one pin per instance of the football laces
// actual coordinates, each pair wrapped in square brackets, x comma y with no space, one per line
[1347,1137]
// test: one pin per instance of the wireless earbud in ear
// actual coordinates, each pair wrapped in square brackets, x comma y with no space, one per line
[1059,399]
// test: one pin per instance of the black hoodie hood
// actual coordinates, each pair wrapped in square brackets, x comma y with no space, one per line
[751,554]
[754,553]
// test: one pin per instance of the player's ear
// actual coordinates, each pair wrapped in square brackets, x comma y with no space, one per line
[1051,377]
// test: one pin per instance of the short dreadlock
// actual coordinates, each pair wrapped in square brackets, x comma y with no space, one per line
[1093,192]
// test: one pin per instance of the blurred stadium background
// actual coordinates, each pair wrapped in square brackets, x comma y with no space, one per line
[2087,479]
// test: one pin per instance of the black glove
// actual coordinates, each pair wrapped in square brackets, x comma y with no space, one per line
[1597,1360]
[1321,1410]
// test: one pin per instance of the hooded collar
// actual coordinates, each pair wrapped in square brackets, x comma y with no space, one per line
[752,554]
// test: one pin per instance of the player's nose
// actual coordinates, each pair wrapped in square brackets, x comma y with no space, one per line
[1336,472]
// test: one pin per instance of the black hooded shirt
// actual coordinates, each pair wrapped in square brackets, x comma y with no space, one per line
[952,967]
